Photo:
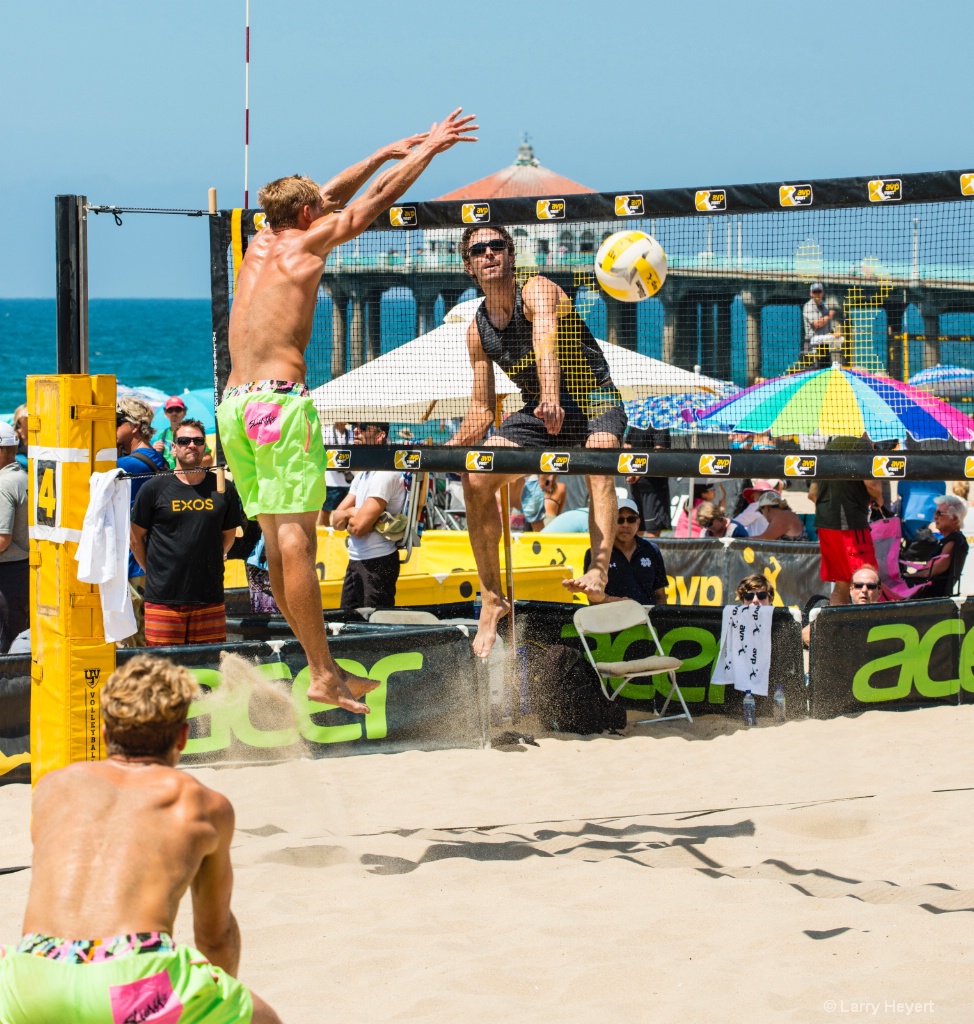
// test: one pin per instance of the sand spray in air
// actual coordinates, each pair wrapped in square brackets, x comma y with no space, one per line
[246,693]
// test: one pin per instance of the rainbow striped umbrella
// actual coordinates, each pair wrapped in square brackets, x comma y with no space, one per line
[837,401]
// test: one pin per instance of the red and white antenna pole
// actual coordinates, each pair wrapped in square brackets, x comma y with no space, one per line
[247,110]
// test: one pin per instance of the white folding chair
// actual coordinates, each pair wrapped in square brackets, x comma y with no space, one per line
[404,617]
[613,617]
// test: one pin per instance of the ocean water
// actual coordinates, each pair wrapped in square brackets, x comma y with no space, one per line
[165,343]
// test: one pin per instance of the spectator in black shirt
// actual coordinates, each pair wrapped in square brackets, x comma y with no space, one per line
[182,528]
[946,567]
[651,493]
[636,568]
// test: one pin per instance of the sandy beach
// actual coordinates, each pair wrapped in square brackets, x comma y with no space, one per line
[811,871]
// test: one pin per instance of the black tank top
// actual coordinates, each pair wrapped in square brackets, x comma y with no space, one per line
[583,366]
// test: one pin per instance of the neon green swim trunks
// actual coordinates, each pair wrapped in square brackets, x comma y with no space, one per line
[126,979]
[271,437]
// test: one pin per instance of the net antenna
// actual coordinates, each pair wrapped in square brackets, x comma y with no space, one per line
[246,175]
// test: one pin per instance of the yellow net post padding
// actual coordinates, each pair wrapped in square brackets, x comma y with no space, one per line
[71,434]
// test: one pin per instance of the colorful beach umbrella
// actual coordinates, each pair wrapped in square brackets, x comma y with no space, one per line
[949,381]
[837,401]
[666,412]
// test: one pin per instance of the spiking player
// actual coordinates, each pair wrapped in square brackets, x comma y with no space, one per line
[268,425]
[537,338]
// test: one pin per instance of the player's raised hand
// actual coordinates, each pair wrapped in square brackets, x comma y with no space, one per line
[400,149]
[450,131]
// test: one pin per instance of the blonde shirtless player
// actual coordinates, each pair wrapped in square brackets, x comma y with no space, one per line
[269,428]
[116,845]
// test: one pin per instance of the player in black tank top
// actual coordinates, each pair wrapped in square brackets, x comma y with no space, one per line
[534,334]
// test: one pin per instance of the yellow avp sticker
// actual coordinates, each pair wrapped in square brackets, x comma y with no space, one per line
[711,200]
[967,184]
[969,466]
[338,458]
[260,219]
[408,458]
[630,205]
[480,462]
[475,213]
[801,465]
[795,195]
[555,462]
[550,209]
[403,216]
[885,190]
[633,462]
[715,465]
[885,466]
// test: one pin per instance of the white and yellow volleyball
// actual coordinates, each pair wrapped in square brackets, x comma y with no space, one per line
[630,266]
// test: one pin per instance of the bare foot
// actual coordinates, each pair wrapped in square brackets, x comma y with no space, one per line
[495,607]
[342,691]
[591,584]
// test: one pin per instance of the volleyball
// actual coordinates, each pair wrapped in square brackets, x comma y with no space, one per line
[630,266]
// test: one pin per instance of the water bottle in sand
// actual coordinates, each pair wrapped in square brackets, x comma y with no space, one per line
[477,605]
[780,714]
[750,709]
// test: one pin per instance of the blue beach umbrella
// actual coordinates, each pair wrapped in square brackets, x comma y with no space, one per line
[672,412]
[199,406]
[948,381]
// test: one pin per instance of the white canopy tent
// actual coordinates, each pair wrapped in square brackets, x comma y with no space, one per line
[431,378]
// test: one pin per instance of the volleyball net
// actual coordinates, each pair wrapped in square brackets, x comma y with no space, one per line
[816,328]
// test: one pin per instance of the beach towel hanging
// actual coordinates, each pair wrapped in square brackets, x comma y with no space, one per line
[744,661]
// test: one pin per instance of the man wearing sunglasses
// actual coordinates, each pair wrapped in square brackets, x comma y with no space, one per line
[636,568]
[269,427]
[535,335]
[182,528]
[865,585]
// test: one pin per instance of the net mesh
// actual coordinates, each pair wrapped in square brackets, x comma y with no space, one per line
[731,349]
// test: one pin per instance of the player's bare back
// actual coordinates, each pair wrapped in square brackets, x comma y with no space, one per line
[273,307]
[95,871]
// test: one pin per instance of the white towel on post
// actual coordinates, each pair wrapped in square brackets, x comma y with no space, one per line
[103,551]
[744,661]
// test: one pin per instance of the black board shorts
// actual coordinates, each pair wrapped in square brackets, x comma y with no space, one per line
[526,430]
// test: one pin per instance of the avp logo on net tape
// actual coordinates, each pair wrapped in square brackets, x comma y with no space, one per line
[555,462]
[889,466]
[550,209]
[801,465]
[403,216]
[338,458]
[715,465]
[795,195]
[480,462]
[630,205]
[633,463]
[710,200]
[885,190]
[408,458]
[475,213]
[260,221]
[969,466]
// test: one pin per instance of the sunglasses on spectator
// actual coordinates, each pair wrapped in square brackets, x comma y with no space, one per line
[628,519]
[761,595]
[121,418]
[175,408]
[495,245]
[865,586]
[184,442]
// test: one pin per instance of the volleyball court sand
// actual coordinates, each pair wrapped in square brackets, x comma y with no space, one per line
[692,873]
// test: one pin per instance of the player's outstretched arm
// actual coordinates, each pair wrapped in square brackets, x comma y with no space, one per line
[483,398]
[328,232]
[338,192]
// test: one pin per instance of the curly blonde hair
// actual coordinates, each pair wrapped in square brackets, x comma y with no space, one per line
[137,412]
[284,198]
[144,705]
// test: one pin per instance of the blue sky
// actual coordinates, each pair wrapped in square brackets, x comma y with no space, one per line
[142,104]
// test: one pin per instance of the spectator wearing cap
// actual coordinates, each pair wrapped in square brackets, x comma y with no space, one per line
[783,524]
[137,457]
[714,523]
[14,545]
[175,409]
[636,568]
[820,336]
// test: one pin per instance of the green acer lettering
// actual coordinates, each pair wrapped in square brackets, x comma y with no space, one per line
[905,659]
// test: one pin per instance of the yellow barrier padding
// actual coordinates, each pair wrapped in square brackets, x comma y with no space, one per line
[71,434]
[8,764]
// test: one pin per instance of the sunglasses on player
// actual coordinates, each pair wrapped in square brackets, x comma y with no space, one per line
[495,245]
[185,442]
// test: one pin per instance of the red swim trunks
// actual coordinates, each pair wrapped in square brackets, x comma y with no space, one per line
[843,552]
